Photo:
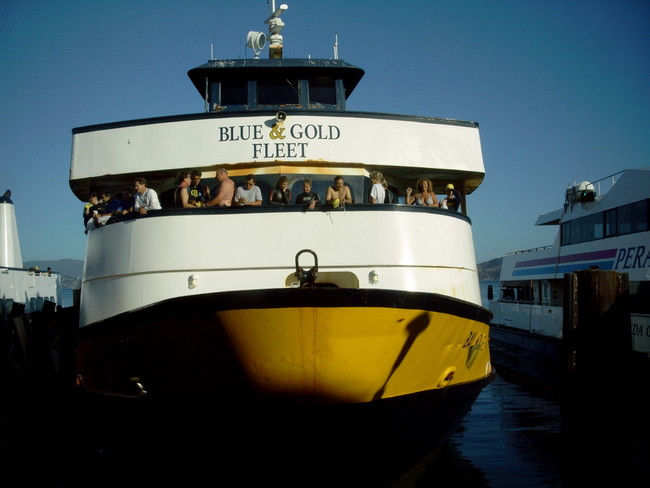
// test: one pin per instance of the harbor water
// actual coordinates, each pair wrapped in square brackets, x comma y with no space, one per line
[513,436]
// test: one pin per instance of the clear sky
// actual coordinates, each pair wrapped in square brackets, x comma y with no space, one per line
[561,89]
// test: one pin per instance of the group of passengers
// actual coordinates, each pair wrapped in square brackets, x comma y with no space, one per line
[427,198]
[104,206]
[189,192]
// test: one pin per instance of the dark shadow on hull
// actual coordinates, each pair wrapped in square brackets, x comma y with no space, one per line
[415,328]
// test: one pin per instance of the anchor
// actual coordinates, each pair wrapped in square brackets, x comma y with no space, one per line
[306,277]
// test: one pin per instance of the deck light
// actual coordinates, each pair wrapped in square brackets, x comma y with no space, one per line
[256,41]
[192,281]
[373,277]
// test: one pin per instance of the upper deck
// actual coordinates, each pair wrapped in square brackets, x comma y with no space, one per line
[277,117]
[606,225]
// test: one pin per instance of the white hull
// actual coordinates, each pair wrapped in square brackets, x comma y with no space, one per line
[235,250]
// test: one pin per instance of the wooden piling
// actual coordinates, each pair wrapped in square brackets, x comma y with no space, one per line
[599,382]
[596,328]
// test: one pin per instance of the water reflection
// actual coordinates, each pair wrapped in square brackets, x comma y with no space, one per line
[512,437]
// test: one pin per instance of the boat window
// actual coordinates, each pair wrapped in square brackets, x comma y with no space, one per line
[624,219]
[597,220]
[586,229]
[322,91]
[565,234]
[575,231]
[517,293]
[277,92]
[234,93]
[618,221]
[610,222]
[640,216]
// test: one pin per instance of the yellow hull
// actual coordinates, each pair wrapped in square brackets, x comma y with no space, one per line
[353,354]
[318,346]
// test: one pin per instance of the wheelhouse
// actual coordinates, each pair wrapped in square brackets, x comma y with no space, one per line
[267,84]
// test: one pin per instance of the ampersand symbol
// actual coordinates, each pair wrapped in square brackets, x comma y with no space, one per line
[276,132]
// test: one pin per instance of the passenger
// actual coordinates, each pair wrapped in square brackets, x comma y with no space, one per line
[197,191]
[307,196]
[249,193]
[425,197]
[181,196]
[390,196]
[281,194]
[91,208]
[224,191]
[377,191]
[339,193]
[146,199]
[109,206]
[128,200]
[453,199]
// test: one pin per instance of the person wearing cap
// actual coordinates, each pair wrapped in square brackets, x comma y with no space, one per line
[452,200]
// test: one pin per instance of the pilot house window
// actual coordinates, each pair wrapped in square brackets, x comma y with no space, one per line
[234,93]
[322,91]
[277,92]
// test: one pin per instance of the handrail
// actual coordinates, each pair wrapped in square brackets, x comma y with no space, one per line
[291,208]
[534,249]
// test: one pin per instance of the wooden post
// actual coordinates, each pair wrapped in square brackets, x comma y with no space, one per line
[596,413]
[596,327]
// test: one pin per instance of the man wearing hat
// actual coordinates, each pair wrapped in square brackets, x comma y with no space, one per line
[453,199]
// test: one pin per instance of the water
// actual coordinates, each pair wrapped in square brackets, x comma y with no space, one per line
[511,434]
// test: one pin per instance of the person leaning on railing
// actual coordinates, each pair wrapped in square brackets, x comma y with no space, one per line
[146,199]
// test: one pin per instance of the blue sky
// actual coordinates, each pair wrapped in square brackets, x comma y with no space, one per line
[561,89]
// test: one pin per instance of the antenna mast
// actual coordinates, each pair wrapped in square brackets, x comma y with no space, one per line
[275,27]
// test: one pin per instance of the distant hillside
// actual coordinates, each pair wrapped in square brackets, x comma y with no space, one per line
[70,269]
[490,270]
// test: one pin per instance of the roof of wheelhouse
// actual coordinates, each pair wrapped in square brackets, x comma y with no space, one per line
[273,69]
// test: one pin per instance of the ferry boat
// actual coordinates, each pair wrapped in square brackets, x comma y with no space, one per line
[22,290]
[357,304]
[602,225]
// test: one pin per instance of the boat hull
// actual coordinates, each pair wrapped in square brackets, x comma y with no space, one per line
[304,345]
[340,381]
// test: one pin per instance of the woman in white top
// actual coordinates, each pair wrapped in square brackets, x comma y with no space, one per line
[425,197]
